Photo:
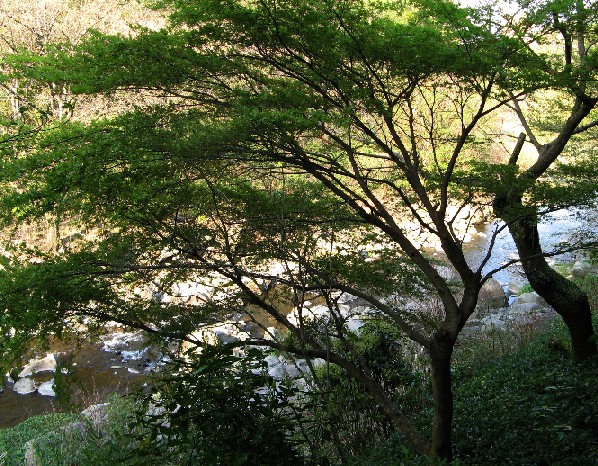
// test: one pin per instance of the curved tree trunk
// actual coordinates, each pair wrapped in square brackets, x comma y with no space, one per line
[567,299]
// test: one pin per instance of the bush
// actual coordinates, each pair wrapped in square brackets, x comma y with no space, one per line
[589,284]
[61,439]
[217,409]
[348,422]
[530,407]
[13,440]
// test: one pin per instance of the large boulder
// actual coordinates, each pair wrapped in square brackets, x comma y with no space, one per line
[492,295]
[524,308]
[272,360]
[47,364]
[514,288]
[97,415]
[24,386]
[292,371]
[530,298]
[278,372]
[46,388]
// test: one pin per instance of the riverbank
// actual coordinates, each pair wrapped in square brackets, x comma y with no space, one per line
[514,404]
[81,373]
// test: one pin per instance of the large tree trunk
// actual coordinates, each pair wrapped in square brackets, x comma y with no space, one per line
[567,299]
[442,391]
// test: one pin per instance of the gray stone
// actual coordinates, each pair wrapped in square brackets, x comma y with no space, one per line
[492,295]
[302,364]
[493,322]
[354,324]
[30,456]
[272,360]
[315,313]
[47,364]
[346,298]
[318,362]
[225,337]
[527,298]
[525,308]
[277,372]
[96,414]
[344,310]
[292,371]
[320,311]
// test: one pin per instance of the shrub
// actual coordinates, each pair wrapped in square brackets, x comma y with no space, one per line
[530,407]
[13,439]
[216,408]
[348,422]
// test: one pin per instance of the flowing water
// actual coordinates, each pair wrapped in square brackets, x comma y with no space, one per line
[120,365]
[93,374]
[554,229]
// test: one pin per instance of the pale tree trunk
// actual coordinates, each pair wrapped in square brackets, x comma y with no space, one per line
[14,100]
[59,94]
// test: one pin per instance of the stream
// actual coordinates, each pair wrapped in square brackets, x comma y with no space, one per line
[121,362]
[555,228]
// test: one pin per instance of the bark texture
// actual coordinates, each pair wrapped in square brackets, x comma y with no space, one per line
[567,299]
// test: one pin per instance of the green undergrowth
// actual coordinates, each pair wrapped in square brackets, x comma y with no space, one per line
[534,406]
[60,439]
[13,440]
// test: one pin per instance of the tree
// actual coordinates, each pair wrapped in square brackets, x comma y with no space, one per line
[31,105]
[36,26]
[290,139]
[574,23]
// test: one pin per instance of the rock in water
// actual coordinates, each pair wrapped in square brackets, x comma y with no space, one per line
[24,386]
[47,388]
[47,364]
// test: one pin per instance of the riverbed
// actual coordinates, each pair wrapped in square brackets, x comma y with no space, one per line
[92,371]
[121,362]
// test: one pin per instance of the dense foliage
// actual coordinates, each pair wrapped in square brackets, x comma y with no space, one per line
[529,407]
[312,151]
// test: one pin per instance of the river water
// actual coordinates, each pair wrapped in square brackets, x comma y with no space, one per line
[94,372]
[121,365]
[554,229]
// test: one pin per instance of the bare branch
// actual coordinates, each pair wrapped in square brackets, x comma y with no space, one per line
[524,123]
[581,129]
